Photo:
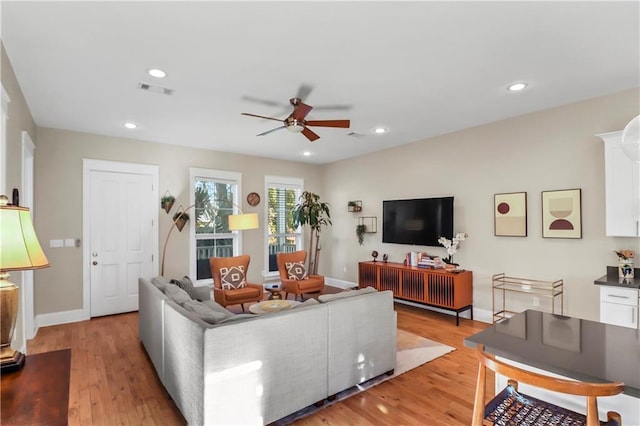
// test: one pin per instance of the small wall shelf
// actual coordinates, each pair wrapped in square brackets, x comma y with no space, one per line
[505,284]
[354,206]
[370,223]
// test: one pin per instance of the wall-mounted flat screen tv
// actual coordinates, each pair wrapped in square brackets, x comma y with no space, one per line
[418,222]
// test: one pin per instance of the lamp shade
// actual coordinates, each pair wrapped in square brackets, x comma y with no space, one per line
[240,222]
[19,246]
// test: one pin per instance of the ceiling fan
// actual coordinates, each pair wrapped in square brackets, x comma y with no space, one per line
[296,122]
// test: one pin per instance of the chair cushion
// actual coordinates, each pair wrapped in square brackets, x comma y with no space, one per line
[296,270]
[246,293]
[232,277]
[512,408]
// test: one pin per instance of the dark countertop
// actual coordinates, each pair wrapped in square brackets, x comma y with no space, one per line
[612,279]
[575,348]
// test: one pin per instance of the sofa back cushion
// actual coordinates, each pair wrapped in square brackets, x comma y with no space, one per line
[343,295]
[176,294]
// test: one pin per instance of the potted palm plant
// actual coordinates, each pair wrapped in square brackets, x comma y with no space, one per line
[311,211]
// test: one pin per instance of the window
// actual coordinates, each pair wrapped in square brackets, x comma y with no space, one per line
[214,195]
[282,236]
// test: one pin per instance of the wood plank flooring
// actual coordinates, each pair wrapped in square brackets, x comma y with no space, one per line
[114,383]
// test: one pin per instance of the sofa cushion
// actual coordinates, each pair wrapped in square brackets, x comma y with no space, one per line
[296,270]
[233,277]
[215,306]
[201,293]
[309,302]
[177,294]
[203,312]
[186,284]
[239,317]
[160,282]
[343,295]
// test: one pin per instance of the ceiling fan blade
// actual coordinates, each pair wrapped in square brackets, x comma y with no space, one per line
[263,101]
[303,91]
[309,134]
[261,116]
[329,123]
[269,131]
[301,111]
[332,107]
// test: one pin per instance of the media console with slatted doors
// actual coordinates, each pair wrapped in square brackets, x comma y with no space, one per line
[431,287]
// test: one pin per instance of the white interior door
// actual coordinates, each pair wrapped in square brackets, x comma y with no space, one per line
[121,239]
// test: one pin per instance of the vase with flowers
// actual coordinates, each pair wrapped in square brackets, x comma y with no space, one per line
[452,248]
[625,263]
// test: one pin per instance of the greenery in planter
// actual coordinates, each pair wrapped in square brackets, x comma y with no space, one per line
[167,202]
[180,218]
[360,230]
[311,211]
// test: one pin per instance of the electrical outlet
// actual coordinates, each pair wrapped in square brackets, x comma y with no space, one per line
[344,269]
[536,301]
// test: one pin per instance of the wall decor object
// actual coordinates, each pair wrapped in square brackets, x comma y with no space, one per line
[370,222]
[354,206]
[510,214]
[253,199]
[562,214]
[167,201]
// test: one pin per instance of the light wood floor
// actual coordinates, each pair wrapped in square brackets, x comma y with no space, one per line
[113,382]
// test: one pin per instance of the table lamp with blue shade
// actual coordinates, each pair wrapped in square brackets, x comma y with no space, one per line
[19,251]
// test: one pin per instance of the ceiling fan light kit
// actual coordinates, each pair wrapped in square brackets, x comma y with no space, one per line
[296,122]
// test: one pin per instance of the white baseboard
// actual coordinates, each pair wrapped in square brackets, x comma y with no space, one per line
[57,318]
[339,283]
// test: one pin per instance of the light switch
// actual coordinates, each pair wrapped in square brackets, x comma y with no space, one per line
[69,242]
[56,243]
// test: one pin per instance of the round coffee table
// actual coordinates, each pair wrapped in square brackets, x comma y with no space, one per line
[274,291]
[268,306]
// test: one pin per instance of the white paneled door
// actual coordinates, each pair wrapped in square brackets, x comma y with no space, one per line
[121,239]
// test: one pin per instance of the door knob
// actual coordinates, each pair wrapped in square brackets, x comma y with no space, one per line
[95,262]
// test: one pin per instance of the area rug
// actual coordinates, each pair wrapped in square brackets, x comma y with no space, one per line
[413,351]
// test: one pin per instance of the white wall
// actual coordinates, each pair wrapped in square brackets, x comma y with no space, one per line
[548,150]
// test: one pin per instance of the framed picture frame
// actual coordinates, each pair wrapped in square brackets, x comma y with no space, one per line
[510,214]
[562,213]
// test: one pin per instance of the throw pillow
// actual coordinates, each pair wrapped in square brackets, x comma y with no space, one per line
[186,284]
[160,283]
[177,294]
[204,313]
[232,277]
[296,271]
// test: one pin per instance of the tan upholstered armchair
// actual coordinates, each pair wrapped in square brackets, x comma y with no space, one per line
[311,284]
[228,274]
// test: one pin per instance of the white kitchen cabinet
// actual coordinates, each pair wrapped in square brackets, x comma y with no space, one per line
[619,306]
[622,184]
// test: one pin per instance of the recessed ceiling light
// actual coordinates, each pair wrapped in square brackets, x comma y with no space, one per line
[516,87]
[379,130]
[130,125]
[157,73]
[306,153]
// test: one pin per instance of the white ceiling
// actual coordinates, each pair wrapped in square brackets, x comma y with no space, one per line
[419,69]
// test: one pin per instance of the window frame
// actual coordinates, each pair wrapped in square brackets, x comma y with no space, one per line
[289,183]
[216,175]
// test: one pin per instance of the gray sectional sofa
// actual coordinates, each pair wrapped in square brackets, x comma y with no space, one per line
[248,369]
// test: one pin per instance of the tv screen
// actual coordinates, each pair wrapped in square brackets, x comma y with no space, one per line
[419,222]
